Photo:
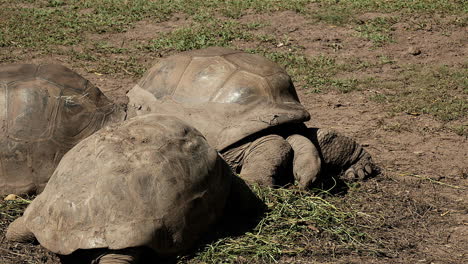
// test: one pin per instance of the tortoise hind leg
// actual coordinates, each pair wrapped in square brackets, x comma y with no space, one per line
[17,231]
[121,256]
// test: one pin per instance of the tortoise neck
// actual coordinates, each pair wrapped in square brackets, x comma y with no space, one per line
[283,130]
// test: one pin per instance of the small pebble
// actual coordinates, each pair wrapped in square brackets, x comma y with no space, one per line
[414,51]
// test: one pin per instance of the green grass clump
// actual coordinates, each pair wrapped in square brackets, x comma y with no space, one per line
[440,91]
[45,23]
[292,225]
[238,8]
[377,30]
[345,12]
[316,74]
[431,6]
[41,24]
[333,14]
[461,130]
[214,33]
[13,209]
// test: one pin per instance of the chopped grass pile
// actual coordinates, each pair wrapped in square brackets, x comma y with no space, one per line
[10,210]
[295,224]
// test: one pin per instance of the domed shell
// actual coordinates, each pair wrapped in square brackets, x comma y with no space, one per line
[44,111]
[150,181]
[226,94]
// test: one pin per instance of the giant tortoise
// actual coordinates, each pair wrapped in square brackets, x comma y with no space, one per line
[44,111]
[149,182]
[248,109]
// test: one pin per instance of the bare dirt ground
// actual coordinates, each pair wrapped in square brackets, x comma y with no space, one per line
[421,196]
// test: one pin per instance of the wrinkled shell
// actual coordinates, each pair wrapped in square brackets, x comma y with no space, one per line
[150,181]
[44,111]
[226,94]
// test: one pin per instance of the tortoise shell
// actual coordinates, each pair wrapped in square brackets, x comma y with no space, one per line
[44,111]
[150,181]
[226,94]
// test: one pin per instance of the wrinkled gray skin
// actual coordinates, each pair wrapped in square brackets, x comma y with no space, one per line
[150,182]
[247,108]
[306,155]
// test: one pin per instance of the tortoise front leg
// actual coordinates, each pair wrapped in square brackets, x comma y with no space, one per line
[307,163]
[266,161]
[18,232]
[121,256]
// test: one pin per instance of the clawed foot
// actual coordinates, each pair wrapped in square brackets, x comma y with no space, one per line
[342,155]
[362,169]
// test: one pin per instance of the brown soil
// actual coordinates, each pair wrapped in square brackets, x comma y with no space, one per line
[421,195]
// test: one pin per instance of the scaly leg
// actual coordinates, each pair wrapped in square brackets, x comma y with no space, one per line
[266,161]
[17,231]
[342,154]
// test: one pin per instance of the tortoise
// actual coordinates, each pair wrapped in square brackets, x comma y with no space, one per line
[248,109]
[44,111]
[149,182]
